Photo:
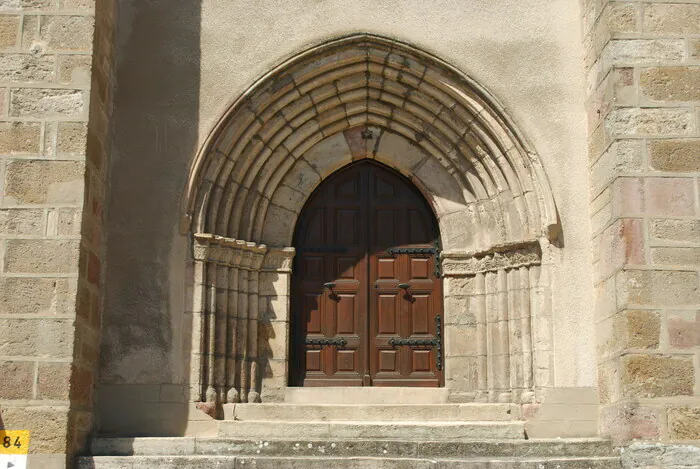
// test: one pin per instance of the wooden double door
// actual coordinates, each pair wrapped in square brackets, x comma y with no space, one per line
[366,295]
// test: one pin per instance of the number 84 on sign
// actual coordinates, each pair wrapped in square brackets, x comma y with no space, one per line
[14,446]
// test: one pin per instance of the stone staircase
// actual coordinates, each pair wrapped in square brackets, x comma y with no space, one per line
[310,436]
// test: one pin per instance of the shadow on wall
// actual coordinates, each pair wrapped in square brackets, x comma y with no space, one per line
[143,388]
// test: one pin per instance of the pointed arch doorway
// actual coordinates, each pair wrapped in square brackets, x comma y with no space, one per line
[366,292]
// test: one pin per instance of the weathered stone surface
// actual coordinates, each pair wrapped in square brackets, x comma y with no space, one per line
[37,337]
[657,376]
[9,31]
[623,122]
[40,103]
[22,221]
[68,32]
[653,455]
[694,46]
[679,155]
[634,51]
[625,422]
[676,256]
[54,381]
[673,18]
[69,222]
[75,69]
[26,68]
[27,4]
[460,341]
[47,424]
[684,424]
[683,231]
[31,295]
[17,379]
[671,83]
[19,137]
[653,196]
[622,156]
[622,243]
[41,256]
[683,330]
[41,182]
[637,329]
[657,288]
[460,286]
[72,138]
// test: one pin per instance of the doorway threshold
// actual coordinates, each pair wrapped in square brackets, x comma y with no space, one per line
[366,395]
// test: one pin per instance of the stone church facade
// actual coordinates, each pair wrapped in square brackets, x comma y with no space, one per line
[362,224]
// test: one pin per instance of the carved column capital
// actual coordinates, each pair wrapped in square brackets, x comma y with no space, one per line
[508,257]
[279,259]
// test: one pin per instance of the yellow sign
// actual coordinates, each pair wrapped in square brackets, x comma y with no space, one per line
[14,442]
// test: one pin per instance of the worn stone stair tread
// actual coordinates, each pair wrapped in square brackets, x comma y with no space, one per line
[411,430]
[593,447]
[329,412]
[263,462]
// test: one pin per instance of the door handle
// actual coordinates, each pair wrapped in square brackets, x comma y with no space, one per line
[404,286]
[331,293]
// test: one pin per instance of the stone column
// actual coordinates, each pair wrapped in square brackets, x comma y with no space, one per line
[488,317]
[644,140]
[242,345]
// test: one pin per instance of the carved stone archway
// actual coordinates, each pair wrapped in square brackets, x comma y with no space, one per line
[358,97]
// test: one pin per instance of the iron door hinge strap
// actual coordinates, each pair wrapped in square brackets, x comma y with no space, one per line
[433,250]
[438,338]
[341,342]
[436,342]
[396,342]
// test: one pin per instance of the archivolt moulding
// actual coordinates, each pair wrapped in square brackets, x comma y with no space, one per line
[365,96]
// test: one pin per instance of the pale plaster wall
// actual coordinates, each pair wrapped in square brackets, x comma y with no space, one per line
[181,66]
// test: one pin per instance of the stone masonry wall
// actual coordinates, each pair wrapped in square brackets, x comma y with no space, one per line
[50,248]
[643,65]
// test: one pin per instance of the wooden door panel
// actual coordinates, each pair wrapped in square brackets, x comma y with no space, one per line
[312,306]
[346,322]
[421,315]
[348,306]
[388,311]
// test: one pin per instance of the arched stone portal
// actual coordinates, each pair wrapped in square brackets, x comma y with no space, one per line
[370,97]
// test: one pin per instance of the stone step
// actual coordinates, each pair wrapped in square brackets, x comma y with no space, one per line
[365,395]
[374,412]
[540,448]
[261,462]
[396,430]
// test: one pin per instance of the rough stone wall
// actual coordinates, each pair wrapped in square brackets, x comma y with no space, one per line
[644,145]
[50,249]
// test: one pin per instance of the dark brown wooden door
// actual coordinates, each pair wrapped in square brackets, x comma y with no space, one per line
[365,297]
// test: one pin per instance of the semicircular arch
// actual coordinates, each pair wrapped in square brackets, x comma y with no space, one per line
[366,96]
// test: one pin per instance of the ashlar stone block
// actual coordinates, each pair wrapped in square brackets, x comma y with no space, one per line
[672,18]
[46,103]
[657,288]
[26,68]
[72,33]
[657,376]
[41,256]
[684,423]
[17,379]
[671,83]
[19,137]
[676,155]
[9,31]
[41,182]
[677,231]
